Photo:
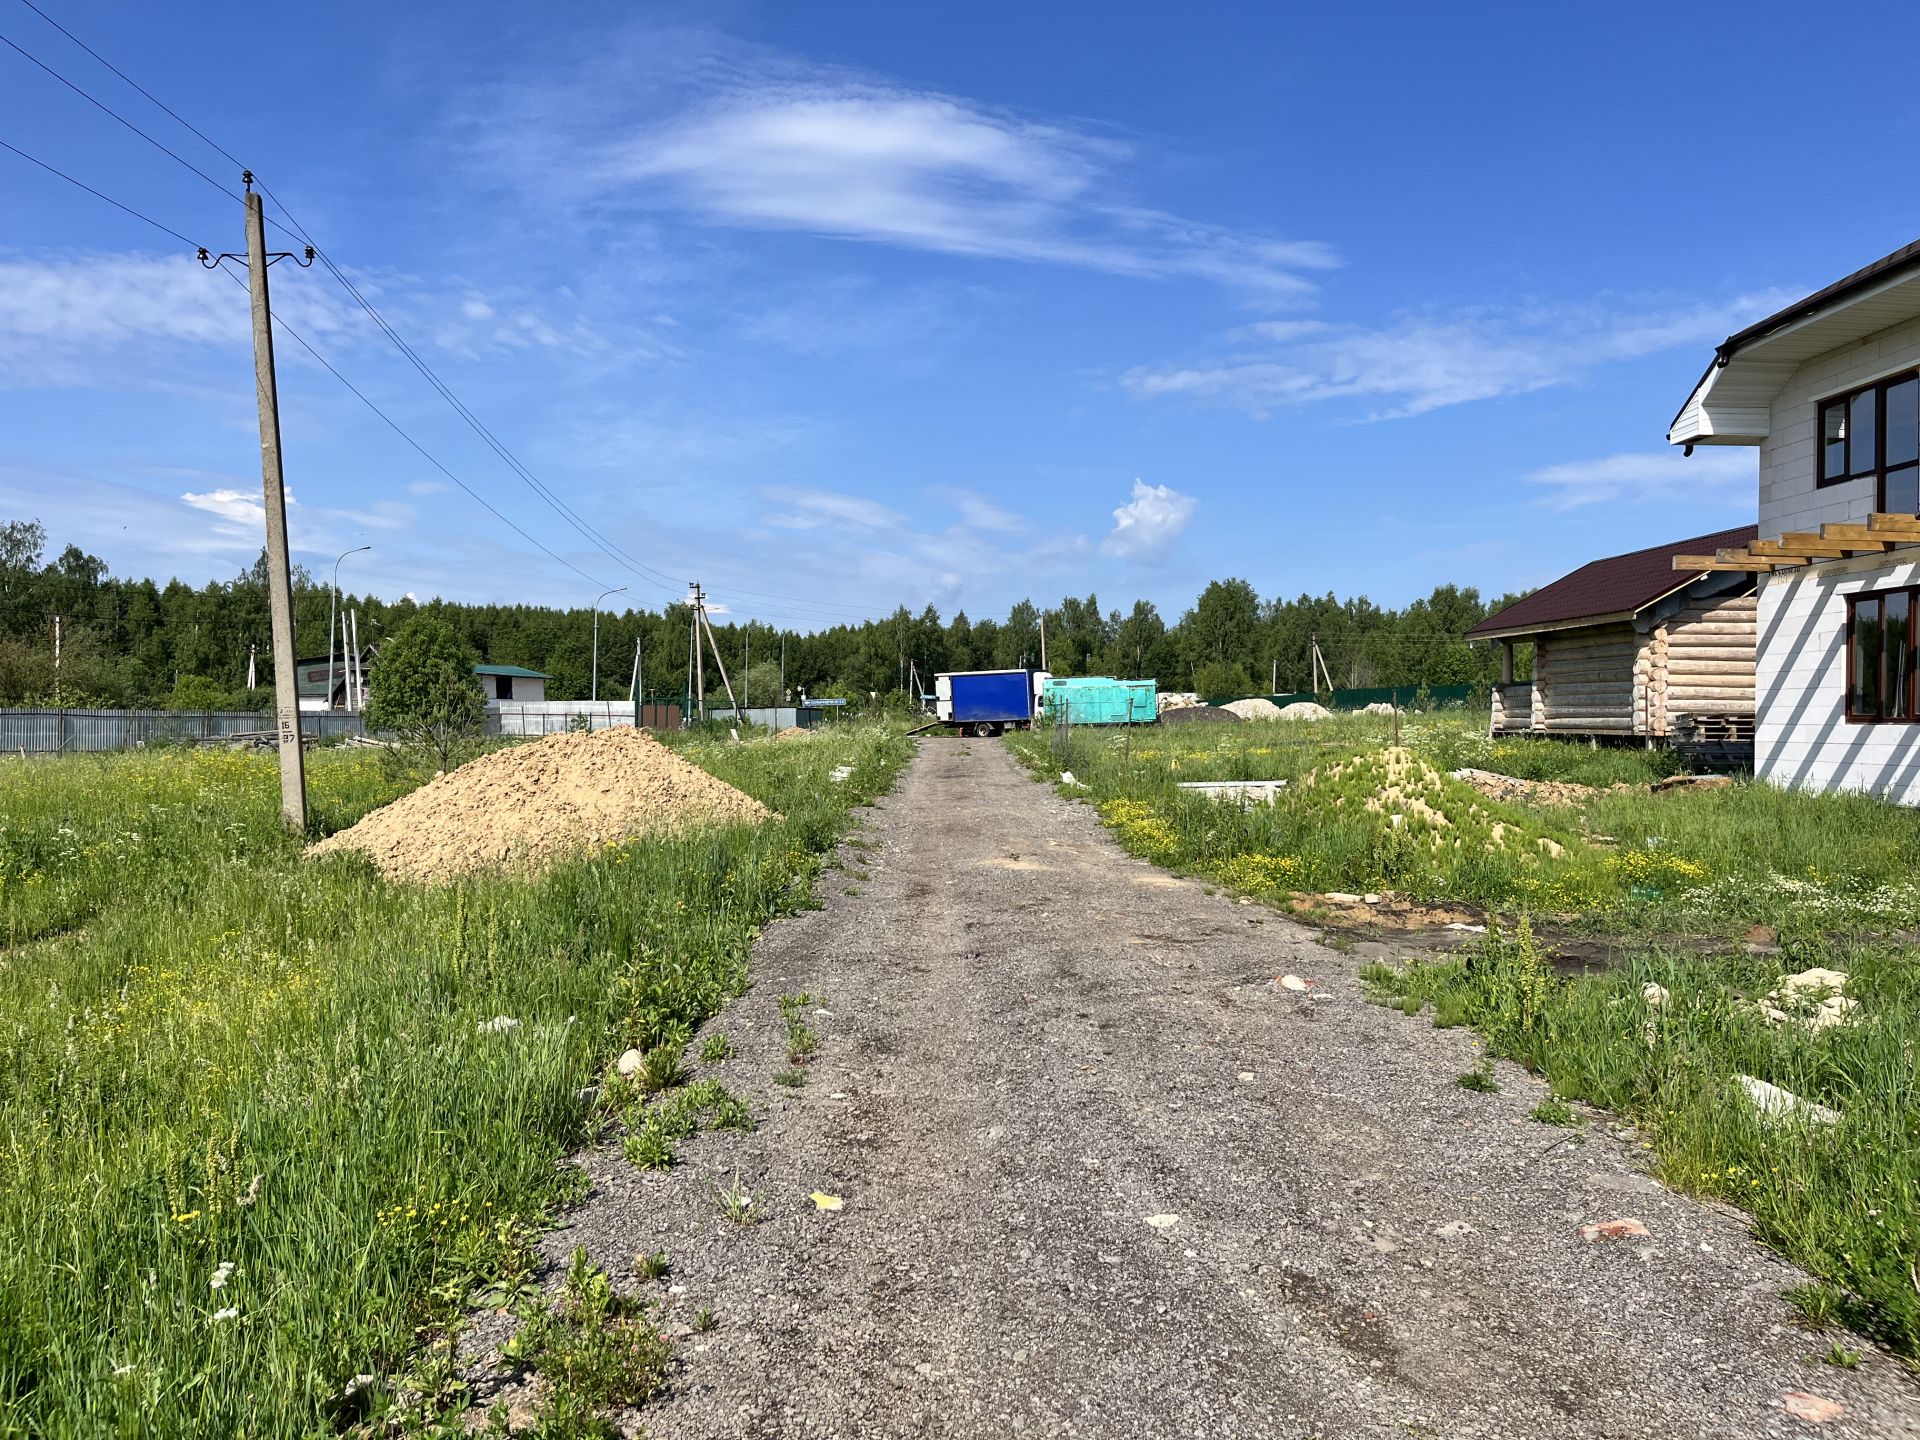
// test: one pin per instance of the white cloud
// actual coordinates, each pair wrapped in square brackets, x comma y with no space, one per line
[976,511]
[1650,478]
[806,509]
[1149,523]
[1425,362]
[750,139]
[239,509]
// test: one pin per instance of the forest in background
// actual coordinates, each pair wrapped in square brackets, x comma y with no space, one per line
[133,643]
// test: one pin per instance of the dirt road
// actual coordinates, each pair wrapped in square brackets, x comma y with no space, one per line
[1103,1178]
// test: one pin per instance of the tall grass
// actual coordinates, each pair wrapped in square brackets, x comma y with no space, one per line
[342,1099]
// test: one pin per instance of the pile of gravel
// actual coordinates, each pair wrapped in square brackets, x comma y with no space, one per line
[529,805]
[1304,710]
[1254,708]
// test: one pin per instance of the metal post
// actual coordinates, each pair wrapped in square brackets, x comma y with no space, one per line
[293,777]
[333,606]
[618,590]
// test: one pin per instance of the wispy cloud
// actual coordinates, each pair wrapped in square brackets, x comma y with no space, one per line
[1426,361]
[1654,477]
[1147,525]
[978,512]
[805,509]
[746,138]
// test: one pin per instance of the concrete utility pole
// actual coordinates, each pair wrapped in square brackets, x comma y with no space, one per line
[56,662]
[286,696]
[701,621]
[633,689]
[596,638]
[1043,640]
[699,602]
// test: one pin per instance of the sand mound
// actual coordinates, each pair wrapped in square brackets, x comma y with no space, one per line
[530,804]
[1304,710]
[1255,708]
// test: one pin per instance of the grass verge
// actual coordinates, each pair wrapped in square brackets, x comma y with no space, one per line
[342,1100]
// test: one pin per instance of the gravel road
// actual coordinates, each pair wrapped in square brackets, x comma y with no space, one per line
[1102,1177]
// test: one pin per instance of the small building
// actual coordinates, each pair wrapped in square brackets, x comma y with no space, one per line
[1632,648]
[1828,391]
[323,683]
[511,683]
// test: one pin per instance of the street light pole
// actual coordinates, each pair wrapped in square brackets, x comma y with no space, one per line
[333,606]
[621,590]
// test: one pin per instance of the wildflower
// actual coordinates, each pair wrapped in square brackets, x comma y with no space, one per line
[499,1024]
[252,1192]
[221,1275]
[232,1312]
[120,1370]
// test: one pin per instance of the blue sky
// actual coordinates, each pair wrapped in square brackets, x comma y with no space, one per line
[869,303]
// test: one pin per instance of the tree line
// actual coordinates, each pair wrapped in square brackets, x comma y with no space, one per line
[132,643]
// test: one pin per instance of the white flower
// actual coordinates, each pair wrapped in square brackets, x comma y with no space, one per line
[221,1276]
[252,1193]
[232,1312]
[120,1370]
[498,1025]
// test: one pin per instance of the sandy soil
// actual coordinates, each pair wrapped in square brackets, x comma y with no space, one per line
[1103,1177]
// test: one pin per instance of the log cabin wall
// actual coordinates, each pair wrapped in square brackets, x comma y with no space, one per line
[1707,660]
[1583,680]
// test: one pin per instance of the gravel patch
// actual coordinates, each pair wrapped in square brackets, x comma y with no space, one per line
[1102,1176]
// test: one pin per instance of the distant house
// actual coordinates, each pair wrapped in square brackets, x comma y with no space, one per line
[322,683]
[511,683]
[1632,648]
[1828,391]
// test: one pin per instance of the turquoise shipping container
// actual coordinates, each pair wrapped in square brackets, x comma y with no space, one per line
[1100,700]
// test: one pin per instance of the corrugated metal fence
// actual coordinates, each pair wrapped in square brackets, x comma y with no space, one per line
[47,731]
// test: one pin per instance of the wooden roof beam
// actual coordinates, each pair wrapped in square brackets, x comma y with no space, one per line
[1860,537]
[1781,549]
[1899,527]
[1720,562]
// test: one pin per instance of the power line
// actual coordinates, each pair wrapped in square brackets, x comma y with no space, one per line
[99,195]
[104,108]
[395,426]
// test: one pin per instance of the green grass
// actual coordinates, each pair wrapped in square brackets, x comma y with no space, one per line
[355,1094]
[1842,1201]
[1714,859]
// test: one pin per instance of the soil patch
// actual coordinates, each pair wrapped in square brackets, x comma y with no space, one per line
[1190,714]
[528,805]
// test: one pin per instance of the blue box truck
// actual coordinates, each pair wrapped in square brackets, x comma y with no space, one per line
[986,702]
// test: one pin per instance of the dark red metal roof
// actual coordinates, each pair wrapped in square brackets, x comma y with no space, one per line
[1904,258]
[1619,584]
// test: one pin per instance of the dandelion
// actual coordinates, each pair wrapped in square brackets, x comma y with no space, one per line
[232,1312]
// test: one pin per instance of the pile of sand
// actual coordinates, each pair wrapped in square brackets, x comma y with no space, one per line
[530,804]
[1526,792]
[1255,708]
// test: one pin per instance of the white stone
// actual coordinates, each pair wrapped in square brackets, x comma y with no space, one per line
[630,1062]
[1776,1104]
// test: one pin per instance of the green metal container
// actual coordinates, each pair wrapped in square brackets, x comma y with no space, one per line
[1100,700]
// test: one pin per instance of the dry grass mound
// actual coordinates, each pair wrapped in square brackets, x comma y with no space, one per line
[529,805]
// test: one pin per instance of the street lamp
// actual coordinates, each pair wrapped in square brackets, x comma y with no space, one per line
[333,606]
[621,590]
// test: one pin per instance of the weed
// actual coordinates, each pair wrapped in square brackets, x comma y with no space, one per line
[594,1350]
[791,1079]
[737,1203]
[660,1069]
[1820,1305]
[651,1266]
[650,1147]
[1841,1357]
[1555,1111]
[801,1040]
[716,1048]
[703,1320]
[1480,1081]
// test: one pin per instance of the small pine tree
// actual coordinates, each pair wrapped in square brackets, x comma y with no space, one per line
[424,689]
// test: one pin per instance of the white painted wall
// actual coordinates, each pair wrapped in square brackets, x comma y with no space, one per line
[525,689]
[1803,738]
[1789,497]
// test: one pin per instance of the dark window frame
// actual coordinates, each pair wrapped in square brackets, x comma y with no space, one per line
[1913,680]
[1877,472]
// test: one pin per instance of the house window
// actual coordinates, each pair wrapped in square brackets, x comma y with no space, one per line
[1880,655]
[503,687]
[1873,433]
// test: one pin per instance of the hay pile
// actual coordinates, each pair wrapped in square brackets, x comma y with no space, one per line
[528,805]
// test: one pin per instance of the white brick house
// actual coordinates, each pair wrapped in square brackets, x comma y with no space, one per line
[1829,391]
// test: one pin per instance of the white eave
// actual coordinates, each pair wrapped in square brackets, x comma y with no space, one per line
[1733,403]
